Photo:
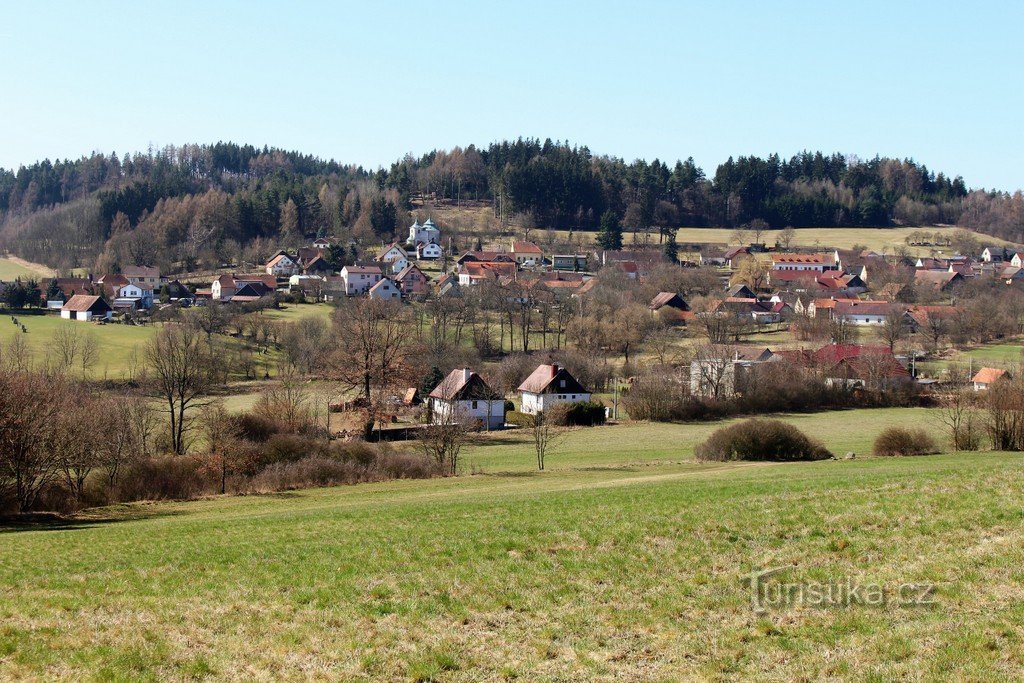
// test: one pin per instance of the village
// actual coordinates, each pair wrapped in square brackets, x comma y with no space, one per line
[708,316]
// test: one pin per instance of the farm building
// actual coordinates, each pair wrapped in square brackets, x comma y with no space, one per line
[86,308]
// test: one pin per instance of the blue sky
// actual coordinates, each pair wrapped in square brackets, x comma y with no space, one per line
[366,82]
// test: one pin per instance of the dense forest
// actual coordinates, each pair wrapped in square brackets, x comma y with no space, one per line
[198,205]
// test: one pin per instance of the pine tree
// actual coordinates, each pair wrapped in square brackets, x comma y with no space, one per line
[671,248]
[609,237]
[53,292]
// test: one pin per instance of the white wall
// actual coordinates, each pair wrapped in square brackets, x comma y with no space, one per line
[489,412]
[531,403]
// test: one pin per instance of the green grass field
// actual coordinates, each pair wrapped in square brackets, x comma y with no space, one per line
[116,342]
[625,561]
[11,269]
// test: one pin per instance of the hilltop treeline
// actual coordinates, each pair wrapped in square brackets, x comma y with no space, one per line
[199,203]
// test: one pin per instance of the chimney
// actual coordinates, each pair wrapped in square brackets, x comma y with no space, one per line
[554,369]
[466,374]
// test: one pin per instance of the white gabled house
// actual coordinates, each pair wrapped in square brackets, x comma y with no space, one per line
[394,258]
[550,385]
[282,265]
[429,251]
[385,289]
[464,396]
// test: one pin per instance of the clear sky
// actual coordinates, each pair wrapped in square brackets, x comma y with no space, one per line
[939,81]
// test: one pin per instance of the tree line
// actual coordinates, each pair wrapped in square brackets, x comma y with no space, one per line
[192,201]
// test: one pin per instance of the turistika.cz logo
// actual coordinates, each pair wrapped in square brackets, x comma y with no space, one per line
[768,594]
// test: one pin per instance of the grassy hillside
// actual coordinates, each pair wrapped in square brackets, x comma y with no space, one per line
[626,563]
[12,268]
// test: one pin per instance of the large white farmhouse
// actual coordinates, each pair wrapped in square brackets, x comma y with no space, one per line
[464,395]
[550,385]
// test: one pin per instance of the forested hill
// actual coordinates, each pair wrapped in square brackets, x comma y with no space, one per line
[203,203]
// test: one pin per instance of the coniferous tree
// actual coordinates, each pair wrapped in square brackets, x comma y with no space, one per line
[610,235]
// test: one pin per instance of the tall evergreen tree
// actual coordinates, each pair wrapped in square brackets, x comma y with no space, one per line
[609,237]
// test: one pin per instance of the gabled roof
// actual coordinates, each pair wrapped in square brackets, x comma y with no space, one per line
[383,284]
[407,271]
[463,384]
[670,299]
[853,307]
[804,259]
[365,269]
[278,259]
[140,271]
[483,269]
[988,375]
[81,303]
[485,256]
[525,248]
[551,376]
[939,279]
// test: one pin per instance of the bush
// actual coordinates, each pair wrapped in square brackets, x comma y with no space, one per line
[519,419]
[902,441]
[319,470]
[167,478]
[579,414]
[761,440]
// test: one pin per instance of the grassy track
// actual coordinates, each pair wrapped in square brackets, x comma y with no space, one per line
[613,565]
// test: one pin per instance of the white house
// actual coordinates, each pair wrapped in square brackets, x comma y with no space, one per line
[85,307]
[429,251]
[394,258]
[464,395]
[550,385]
[359,278]
[428,233]
[527,253]
[143,298]
[385,289]
[806,262]
[986,377]
[282,265]
[994,254]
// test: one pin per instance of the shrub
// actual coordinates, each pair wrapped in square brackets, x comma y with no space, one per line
[167,478]
[761,440]
[320,470]
[519,419]
[579,414]
[902,441]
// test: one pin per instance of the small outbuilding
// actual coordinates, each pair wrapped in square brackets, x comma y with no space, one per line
[86,307]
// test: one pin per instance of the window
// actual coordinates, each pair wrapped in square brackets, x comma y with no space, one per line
[561,384]
[474,405]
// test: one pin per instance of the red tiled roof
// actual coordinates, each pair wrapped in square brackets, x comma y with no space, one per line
[988,375]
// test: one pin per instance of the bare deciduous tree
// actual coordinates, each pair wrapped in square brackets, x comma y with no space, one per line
[181,374]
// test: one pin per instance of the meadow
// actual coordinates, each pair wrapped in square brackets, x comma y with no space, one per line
[120,346]
[12,268]
[625,561]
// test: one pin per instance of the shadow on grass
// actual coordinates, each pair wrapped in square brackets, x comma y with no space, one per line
[51,521]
